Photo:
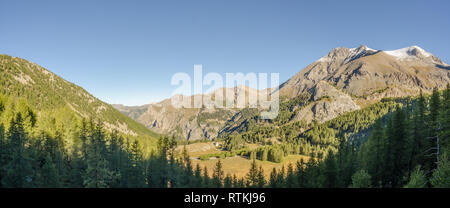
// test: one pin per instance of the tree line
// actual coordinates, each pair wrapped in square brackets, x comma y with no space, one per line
[407,147]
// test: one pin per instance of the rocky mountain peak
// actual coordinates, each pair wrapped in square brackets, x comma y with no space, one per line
[343,55]
[414,53]
[344,80]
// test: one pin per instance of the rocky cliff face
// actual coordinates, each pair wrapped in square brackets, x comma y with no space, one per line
[344,80]
[327,102]
[371,74]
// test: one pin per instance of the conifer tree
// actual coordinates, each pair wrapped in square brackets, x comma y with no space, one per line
[228,181]
[218,175]
[399,147]
[49,174]
[18,170]
[252,175]
[445,118]
[375,152]
[361,179]
[260,178]
[273,179]
[98,174]
[330,170]
[441,176]
[236,182]
[197,183]
[417,180]
[281,178]
[3,150]
[206,180]
[174,172]
[418,135]
[290,177]
[300,172]
[188,172]
[434,127]
[136,172]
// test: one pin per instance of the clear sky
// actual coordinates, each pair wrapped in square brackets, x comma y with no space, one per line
[127,51]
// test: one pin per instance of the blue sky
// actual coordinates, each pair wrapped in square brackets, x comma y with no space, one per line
[126,51]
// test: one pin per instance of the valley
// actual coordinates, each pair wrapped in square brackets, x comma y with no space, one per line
[356,117]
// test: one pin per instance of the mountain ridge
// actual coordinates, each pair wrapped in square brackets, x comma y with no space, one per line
[344,80]
[47,91]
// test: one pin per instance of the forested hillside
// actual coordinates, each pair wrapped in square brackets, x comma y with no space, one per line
[48,93]
[407,147]
[278,138]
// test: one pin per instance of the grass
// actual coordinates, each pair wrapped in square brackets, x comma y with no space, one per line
[233,165]
[199,149]
[240,166]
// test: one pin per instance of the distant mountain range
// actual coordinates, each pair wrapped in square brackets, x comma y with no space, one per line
[344,80]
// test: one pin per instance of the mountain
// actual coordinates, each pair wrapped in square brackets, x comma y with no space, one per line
[46,91]
[345,80]
[355,77]
[372,74]
[187,123]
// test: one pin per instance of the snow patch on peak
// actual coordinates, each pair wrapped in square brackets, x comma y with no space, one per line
[361,49]
[324,59]
[408,52]
[347,54]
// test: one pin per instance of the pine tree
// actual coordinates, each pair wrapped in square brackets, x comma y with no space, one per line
[290,177]
[417,180]
[197,183]
[137,177]
[300,172]
[445,118]
[395,153]
[398,147]
[159,170]
[434,127]
[361,179]
[273,180]
[435,103]
[4,156]
[75,175]
[375,153]
[49,174]
[388,165]
[97,174]
[418,134]
[260,178]
[174,172]
[252,155]
[188,172]
[441,176]
[218,175]
[28,115]
[18,170]
[281,178]
[228,181]
[252,175]
[330,170]
[206,180]
[264,154]
[235,182]
[118,161]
